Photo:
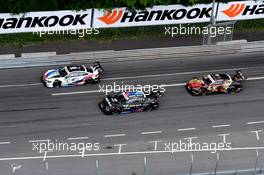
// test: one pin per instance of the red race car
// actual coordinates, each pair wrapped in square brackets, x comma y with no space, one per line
[215,83]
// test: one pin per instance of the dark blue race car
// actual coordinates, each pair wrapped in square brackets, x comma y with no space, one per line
[128,102]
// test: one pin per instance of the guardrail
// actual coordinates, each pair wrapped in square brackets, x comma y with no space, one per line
[171,52]
[50,58]
[253,47]
[7,56]
[38,54]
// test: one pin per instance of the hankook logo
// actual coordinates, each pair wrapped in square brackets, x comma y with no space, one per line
[234,10]
[43,21]
[111,17]
[244,10]
[155,15]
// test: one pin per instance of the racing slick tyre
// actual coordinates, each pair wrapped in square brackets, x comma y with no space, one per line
[199,92]
[148,108]
[94,81]
[151,107]
[232,89]
[57,84]
[88,81]
[116,112]
[155,106]
[203,92]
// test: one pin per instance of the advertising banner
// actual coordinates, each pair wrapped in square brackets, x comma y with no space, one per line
[121,17]
[178,14]
[45,21]
[240,10]
[158,15]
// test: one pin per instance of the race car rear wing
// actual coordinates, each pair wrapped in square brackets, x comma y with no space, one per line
[239,76]
[155,94]
[97,66]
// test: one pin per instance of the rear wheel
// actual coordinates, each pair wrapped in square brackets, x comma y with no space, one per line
[88,81]
[94,81]
[232,89]
[148,108]
[155,106]
[151,107]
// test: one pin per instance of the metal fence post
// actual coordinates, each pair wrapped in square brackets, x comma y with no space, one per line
[192,160]
[97,167]
[145,165]
[216,164]
[256,163]
[47,168]
[209,39]
[225,37]
[213,22]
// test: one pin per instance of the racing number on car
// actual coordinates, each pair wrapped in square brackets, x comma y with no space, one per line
[70,80]
[74,78]
[213,87]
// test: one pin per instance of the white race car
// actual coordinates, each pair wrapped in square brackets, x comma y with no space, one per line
[72,75]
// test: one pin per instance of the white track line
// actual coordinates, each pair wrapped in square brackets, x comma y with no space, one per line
[133,77]
[78,138]
[145,76]
[33,141]
[20,85]
[125,153]
[255,78]
[5,143]
[173,85]
[257,122]
[114,135]
[74,93]
[221,126]
[172,74]
[232,171]
[151,132]
[164,85]
[187,129]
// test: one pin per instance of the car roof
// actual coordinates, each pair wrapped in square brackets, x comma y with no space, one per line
[220,77]
[133,94]
[74,68]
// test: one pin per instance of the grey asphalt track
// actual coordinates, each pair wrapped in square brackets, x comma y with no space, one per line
[29,111]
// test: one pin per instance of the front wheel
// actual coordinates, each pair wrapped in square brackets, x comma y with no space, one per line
[116,112]
[198,92]
[57,84]
[96,80]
